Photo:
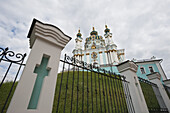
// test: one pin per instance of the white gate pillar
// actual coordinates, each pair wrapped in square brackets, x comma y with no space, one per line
[36,87]
[129,69]
[167,82]
[155,78]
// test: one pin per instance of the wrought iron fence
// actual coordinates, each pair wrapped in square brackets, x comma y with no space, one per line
[89,89]
[167,89]
[153,97]
[10,65]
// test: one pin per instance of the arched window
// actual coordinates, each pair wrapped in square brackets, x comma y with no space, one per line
[151,69]
[142,70]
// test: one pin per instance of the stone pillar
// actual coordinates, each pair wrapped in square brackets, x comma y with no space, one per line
[46,42]
[129,69]
[155,78]
[167,82]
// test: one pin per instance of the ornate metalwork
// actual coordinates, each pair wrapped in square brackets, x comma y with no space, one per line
[88,86]
[91,67]
[12,58]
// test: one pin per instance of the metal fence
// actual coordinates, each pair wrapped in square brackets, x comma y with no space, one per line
[167,89]
[153,97]
[10,66]
[88,89]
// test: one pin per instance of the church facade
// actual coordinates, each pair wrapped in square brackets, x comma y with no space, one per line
[103,52]
[97,50]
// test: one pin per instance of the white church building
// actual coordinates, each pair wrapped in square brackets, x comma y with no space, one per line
[97,50]
[103,53]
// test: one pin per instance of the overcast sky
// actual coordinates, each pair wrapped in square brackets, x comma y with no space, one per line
[141,27]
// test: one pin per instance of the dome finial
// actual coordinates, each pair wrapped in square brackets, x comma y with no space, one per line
[93,29]
[79,34]
[106,26]
[94,32]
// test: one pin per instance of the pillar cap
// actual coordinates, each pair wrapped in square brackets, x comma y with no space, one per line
[154,75]
[47,32]
[167,82]
[127,65]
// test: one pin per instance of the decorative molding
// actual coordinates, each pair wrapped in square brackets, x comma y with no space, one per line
[167,82]
[48,33]
[114,50]
[121,54]
[127,65]
[155,75]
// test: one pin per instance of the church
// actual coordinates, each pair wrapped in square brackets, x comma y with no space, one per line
[98,51]
[103,52]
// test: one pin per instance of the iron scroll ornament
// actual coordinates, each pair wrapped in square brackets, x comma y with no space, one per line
[11,56]
[83,64]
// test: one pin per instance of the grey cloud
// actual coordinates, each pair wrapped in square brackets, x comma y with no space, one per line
[141,27]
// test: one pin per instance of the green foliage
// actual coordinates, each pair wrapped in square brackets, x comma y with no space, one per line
[108,102]
[112,102]
[4,91]
[149,95]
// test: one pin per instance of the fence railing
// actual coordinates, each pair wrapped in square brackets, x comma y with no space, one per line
[167,89]
[152,96]
[10,66]
[86,88]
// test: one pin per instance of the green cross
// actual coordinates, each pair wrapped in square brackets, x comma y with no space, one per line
[41,73]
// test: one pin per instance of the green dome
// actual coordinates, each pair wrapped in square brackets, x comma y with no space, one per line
[94,32]
[79,34]
[106,30]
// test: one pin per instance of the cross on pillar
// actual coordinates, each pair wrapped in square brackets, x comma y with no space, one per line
[41,73]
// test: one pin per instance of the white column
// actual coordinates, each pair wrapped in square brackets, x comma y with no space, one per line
[129,69]
[106,57]
[101,58]
[112,57]
[155,78]
[79,58]
[88,59]
[45,41]
[115,56]
[82,57]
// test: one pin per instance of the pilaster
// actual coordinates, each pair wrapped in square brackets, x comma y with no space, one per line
[129,69]
[46,41]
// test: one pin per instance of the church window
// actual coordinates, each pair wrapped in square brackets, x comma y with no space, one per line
[142,70]
[151,69]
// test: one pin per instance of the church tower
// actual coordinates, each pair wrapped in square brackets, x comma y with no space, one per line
[78,46]
[110,47]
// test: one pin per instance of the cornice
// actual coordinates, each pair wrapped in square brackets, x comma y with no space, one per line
[47,32]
